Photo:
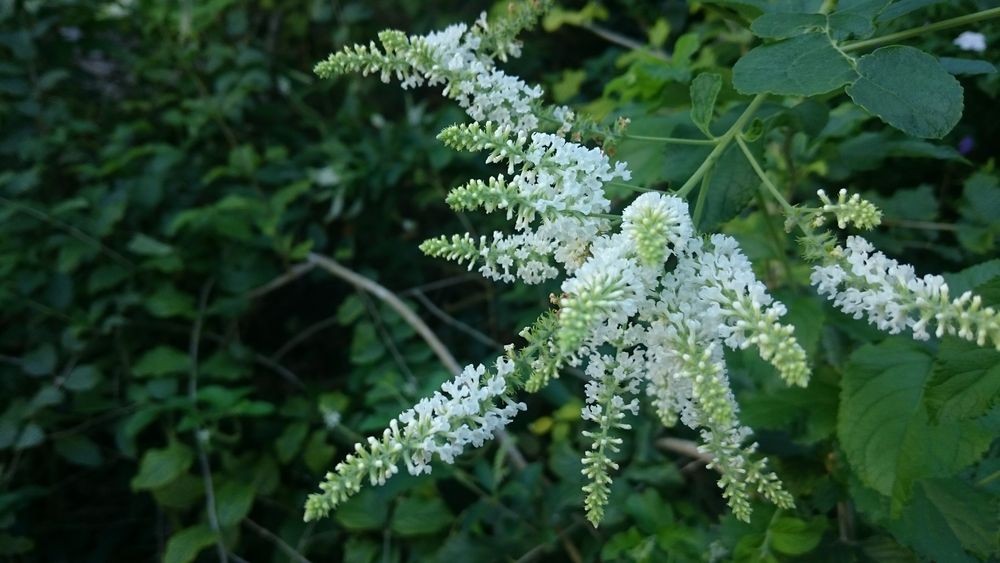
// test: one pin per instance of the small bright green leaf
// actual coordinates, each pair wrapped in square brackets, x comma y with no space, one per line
[148,246]
[40,361]
[184,546]
[161,466]
[418,517]
[704,90]
[801,66]
[160,361]
[793,536]
[233,501]
[909,90]
[785,25]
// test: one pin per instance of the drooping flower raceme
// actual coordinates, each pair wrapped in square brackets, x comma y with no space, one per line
[863,282]
[472,407]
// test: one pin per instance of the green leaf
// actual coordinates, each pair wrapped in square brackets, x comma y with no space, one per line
[82,378]
[909,90]
[185,545]
[161,466]
[855,18]
[318,453]
[794,536]
[233,502]
[40,361]
[973,277]
[730,187]
[168,302]
[903,7]
[367,510]
[704,90]
[801,66]
[419,517]
[160,361]
[290,441]
[31,435]
[947,516]
[366,347]
[885,429]
[148,246]
[967,66]
[79,450]
[966,381]
[785,25]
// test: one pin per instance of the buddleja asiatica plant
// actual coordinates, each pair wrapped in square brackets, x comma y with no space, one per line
[648,303]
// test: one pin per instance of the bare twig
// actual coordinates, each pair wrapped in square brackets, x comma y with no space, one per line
[627,42]
[411,318]
[441,284]
[291,275]
[924,225]
[452,321]
[684,447]
[304,335]
[268,534]
[206,469]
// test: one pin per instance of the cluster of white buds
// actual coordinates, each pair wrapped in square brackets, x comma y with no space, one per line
[865,283]
[473,407]
[853,210]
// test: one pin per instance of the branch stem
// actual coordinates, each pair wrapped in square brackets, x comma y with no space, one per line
[917,31]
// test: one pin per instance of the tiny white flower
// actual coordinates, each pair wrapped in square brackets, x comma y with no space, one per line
[971,41]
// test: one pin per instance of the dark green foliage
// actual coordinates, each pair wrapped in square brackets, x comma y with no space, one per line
[162,163]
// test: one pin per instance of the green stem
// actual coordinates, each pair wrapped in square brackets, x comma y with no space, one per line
[699,207]
[763,177]
[720,147]
[670,140]
[913,32]
[632,187]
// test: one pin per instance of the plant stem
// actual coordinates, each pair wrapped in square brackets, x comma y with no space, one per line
[720,147]
[763,177]
[913,32]
[632,187]
[699,207]
[670,140]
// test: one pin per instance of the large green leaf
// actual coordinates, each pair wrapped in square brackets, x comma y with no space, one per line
[416,516]
[946,517]
[730,187]
[884,426]
[783,25]
[909,90]
[801,66]
[966,381]
[704,90]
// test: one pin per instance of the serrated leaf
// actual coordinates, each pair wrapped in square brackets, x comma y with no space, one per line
[884,427]
[185,545]
[801,66]
[855,18]
[947,516]
[160,361]
[704,90]
[966,381]
[909,90]
[785,25]
[161,466]
[420,517]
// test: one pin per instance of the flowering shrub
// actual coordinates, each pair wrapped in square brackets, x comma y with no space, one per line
[648,302]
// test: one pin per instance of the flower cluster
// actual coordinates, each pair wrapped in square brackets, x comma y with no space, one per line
[646,301]
[472,408]
[459,58]
[865,283]
[555,194]
[852,210]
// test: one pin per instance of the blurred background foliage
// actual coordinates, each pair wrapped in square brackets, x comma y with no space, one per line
[166,166]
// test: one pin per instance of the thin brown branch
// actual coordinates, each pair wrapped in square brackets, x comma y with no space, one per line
[268,534]
[291,275]
[684,447]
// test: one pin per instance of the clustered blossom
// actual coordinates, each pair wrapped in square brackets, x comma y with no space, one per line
[554,194]
[610,379]
[865,283]
[460,59]
[632,322]
[471,409]
[848,211]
